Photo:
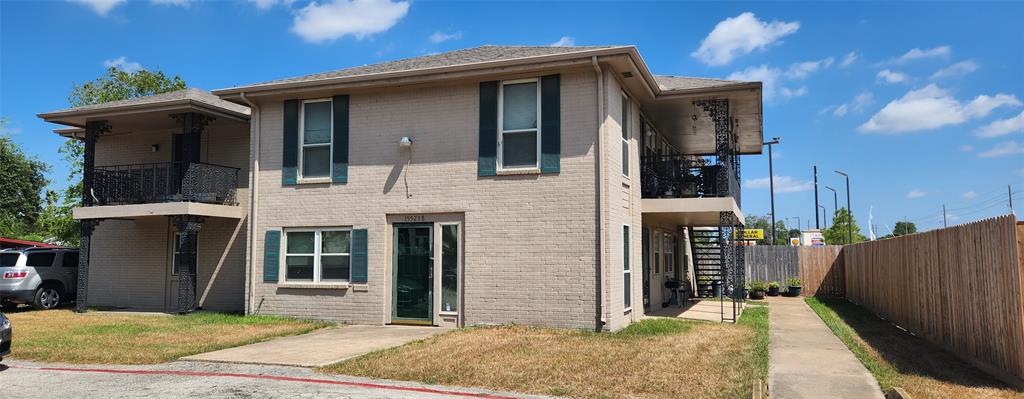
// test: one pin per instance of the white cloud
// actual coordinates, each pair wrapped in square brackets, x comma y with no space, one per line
[101,7]
[564,41]
[890,77]
[740,35]
[967,148]
[849,59]
[802,70]
[969,195]
[857,104]
[915,193]
[931,107]
[765,74]
[123,64]
[318,23]
[783,184]
[1003,149]
[1002,127]
[841,110]
[959,69]
[441,37]
[790,93]
[179,3]
[916,54]
[267,4]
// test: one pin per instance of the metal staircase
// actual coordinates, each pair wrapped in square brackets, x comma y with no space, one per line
[708,259]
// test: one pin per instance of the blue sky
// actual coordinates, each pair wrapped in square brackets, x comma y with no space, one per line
[921,103]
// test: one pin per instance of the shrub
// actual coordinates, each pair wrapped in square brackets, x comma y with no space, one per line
[773,284]
[759,286]
[794,282]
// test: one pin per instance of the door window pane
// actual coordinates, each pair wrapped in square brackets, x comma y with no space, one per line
[301,242]
[316,123]
[334,267]
[520,106]
[316,161]
[519,150]
[336,242]
[449,268]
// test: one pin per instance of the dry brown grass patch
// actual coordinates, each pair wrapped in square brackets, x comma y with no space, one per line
[114,338]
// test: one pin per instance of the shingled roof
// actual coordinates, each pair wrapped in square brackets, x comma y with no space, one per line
[190,95]
[680,83]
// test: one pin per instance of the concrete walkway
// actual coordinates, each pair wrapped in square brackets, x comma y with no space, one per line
[697,309]
[808,360]
[322,347]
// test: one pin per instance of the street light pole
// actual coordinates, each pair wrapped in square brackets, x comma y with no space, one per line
[823,212]
[835,199]
[771,183]
[849,212]
[816,205]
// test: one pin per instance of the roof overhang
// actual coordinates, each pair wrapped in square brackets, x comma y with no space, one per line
[79,117]
[695,212]
[134,211]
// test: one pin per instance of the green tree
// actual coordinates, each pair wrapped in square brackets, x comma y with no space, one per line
[113,86]
[22,179]
[838,232]
[763,223]
[904,228]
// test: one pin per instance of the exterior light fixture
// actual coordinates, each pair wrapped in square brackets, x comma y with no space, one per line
[405,141]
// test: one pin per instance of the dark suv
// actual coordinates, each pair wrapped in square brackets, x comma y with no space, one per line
[41,277]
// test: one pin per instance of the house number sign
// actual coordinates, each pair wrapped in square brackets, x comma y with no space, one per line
[415,218]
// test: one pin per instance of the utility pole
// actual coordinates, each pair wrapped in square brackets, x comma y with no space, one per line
[944,216]
[849,210]
[1009,195]
[771,183]
[816,223]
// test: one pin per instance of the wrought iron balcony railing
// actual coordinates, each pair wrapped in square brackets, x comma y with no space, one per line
[164,182]
[679,176]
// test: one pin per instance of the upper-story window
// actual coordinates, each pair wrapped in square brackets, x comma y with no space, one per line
[625,134]
[518,124]
[316,131]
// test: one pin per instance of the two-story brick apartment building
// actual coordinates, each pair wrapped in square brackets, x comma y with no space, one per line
[553,186]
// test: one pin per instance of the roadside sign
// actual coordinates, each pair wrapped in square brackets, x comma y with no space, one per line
[794,241]
[748,234]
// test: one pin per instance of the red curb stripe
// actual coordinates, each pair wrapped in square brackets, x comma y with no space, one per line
[274,378]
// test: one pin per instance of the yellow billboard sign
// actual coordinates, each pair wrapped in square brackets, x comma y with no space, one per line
[748,234]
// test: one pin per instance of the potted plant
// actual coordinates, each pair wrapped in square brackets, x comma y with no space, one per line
[795,286]
[757,289]
[773,288]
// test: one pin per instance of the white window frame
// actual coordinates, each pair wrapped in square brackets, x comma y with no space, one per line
[302,140]
[458,268]
[670,252]
[174,253]
[501,124]
[627,116]
[627,266]
[317,253]
[656,265]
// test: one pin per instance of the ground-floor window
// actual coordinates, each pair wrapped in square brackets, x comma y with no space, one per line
[177,254]
[625,268]
[318,254]
[670,258]
[449,267]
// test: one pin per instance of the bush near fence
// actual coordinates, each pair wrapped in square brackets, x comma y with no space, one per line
[820,268]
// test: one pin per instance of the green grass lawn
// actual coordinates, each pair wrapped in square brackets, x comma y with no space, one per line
[653,358]
[899,359]
[123,338]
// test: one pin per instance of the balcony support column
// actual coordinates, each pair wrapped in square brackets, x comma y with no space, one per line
[725,146]
[86,228]
[92,132]
[188,227]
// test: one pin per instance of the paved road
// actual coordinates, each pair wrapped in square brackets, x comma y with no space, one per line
[808,360]
[208,380]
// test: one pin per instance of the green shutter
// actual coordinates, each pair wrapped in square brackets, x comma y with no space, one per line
[339,169]
[551,123]
[290,146]
[488,158]
[359,259]
[271,255]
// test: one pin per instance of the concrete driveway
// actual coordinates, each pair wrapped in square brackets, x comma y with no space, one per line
[322,347]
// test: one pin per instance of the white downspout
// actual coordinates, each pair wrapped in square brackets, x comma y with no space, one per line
[601,272]
[254,183]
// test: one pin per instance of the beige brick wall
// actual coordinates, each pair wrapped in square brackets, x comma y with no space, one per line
[129,262]
[530,248]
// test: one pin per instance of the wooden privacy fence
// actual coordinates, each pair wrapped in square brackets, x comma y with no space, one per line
[820,268]
[958,287]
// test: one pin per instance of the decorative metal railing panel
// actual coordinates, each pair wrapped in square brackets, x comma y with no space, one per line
[164,182]
[679,176]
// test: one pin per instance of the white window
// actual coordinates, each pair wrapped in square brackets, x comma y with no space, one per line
[316,255]
[626,272]
[519,124]
[657,253]
[316,130]
[176,253]
[625,134]
[670,259]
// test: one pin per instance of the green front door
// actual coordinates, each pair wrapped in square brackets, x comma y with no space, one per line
[412,297]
